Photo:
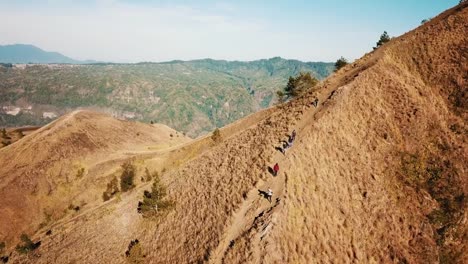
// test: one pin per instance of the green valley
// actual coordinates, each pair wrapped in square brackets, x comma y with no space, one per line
[191,96]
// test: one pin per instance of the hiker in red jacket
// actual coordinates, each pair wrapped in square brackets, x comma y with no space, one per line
[276,169]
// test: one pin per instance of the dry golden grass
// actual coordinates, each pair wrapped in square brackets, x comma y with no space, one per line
[343,193]
[68,161]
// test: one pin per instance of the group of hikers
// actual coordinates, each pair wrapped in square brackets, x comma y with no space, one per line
[286,144]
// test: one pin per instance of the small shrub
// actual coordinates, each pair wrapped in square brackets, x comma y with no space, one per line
[216,136]
[281,96]
[73,207]
[112,189]
[456,128]
[80,172]
[340,63]
[425,20]
[155,203]
[135,252]
[4,259]
[27,245]
[127,176]
[384,38]
[299,84]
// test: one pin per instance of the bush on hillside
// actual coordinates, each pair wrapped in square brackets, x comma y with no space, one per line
[281,96]
[127,177]
[340,63]
[112,189]
[425,20]
[80,172]
[135,253]
[27,245]
[216,136]
[299,84]
[384,38]
[155,203]
[76,208]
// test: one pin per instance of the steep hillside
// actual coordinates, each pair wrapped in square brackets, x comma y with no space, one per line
[193,97]
[376,174]
[21,53]
[66,163]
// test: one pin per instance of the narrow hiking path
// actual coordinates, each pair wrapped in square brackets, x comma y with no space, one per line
[255,206]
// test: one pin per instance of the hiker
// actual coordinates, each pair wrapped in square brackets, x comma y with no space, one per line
[293,134]
[287,144]
[275,169]
[283,150]
[283,147]
[269,194]
[315,102]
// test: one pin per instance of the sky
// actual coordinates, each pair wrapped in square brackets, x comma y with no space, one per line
[146,30]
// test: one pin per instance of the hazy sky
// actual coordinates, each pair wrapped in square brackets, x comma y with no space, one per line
[146,30]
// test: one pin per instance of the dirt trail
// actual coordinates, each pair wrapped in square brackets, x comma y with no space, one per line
[256,212]
[255,205]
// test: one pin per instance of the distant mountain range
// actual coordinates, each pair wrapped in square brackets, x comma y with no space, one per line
[23,53]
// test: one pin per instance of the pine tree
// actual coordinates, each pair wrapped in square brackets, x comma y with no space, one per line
[340,63]
[384,38]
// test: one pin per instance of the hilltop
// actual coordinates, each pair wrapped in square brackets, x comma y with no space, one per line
[191,96]
[376,174]
[65,162]
[23,53]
